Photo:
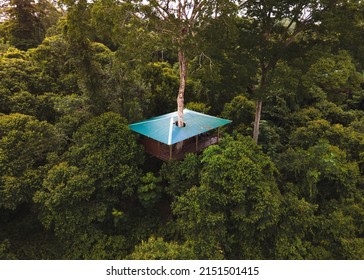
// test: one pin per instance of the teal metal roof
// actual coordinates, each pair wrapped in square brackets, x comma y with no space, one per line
[164,129]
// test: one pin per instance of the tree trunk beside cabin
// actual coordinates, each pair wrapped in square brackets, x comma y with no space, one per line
[259,103]
[182,85]
[258,113]
[297,20]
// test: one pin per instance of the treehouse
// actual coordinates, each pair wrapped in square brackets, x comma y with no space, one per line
[162,138]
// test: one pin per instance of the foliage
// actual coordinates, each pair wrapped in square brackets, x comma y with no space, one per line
[97,174]
[73,180]
[198,107]
[4,251]
[181,175]
[25,144]
[53,59]
[150,192]
[334,76]
[158,249]
[323,172]
[237,199]
[241,112]
[27,22]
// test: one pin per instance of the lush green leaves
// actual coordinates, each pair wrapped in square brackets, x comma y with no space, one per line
[98,173]
[158,249]
[73,180]
[25,144]
[237,199]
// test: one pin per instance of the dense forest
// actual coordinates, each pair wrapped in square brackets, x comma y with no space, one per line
[285,182]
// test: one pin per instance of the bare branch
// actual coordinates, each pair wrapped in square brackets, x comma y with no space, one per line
[203,55]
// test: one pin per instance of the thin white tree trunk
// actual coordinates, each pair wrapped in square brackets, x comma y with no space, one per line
[182,86]
[259,104]
[258,113]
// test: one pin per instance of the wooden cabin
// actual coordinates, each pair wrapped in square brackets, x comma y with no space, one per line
[162,138]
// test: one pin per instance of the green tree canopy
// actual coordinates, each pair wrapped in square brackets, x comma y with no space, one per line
[97,175]
[237,203]
[25,144]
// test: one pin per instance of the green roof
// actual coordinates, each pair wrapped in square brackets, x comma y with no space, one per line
[164,129]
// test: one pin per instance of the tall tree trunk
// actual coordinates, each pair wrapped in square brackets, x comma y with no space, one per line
[182,85]
[258,113]
[258,107]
